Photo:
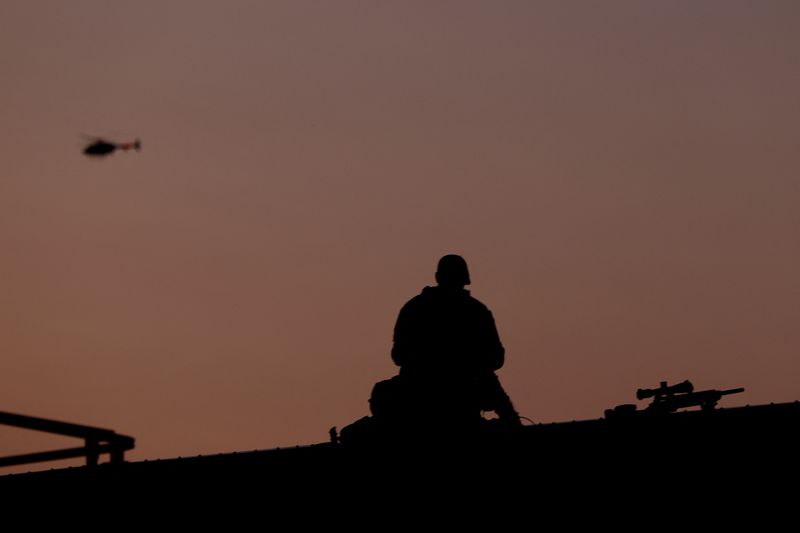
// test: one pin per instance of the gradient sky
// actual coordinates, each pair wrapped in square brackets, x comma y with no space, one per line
[621,176]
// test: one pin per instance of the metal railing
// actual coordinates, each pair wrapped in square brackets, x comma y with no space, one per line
[96,441]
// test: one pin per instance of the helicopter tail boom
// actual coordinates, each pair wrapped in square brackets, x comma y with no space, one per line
[136,145]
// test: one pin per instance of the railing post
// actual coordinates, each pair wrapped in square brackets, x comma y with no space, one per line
[92,453]
[117,453]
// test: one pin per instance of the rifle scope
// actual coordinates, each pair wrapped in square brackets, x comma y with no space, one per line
[684,387]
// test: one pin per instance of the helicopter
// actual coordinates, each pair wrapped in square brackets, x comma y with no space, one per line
[100,147]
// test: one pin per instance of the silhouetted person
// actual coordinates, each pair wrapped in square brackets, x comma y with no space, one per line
[447,347]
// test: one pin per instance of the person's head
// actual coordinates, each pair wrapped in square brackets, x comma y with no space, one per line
[452,272]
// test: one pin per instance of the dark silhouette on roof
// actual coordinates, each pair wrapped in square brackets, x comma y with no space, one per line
[426,451]
[447,347]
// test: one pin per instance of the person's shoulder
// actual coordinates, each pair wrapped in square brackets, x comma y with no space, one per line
[474,302]
[426,294]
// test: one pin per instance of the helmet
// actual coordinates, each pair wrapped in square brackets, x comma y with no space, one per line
[452,270]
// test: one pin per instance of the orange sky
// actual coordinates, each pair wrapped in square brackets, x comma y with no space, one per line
[622,178]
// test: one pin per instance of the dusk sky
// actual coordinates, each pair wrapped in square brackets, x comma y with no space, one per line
[621,177]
